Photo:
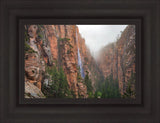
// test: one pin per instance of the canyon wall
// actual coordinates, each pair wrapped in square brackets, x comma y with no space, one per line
[55,45]
[118,58]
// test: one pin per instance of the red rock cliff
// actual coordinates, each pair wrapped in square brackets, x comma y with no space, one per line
[118,58]
[55,45]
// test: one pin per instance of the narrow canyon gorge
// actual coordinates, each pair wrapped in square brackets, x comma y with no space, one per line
[58,59]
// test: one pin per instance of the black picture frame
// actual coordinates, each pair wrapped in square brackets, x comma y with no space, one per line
[143,13]
[138,22]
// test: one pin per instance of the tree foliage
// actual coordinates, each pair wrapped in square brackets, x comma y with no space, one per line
[109,88]
[130,93]
[28,49]
[98,94]
[59,87]
[88,83]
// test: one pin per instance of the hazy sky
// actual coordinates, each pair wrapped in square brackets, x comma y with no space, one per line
[97,36]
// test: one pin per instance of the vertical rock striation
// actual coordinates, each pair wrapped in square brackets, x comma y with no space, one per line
[54,45]
[118,58]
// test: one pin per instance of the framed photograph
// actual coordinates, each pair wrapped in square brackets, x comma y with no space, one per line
[72,61]
[93,64]
[60,63]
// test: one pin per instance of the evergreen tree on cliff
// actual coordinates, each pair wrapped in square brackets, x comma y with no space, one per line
[88,83]
[63,84]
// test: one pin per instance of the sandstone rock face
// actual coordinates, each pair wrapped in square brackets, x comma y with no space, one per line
[32,31]
[68,56]
[55,45]
[34,69]
[89,63]
[51,36]
[31,91]
[118,58]
[82,90]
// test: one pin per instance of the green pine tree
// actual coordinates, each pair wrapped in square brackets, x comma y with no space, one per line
[130,93]
[59,87]
[63,85]
[88,83]
[110,88]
